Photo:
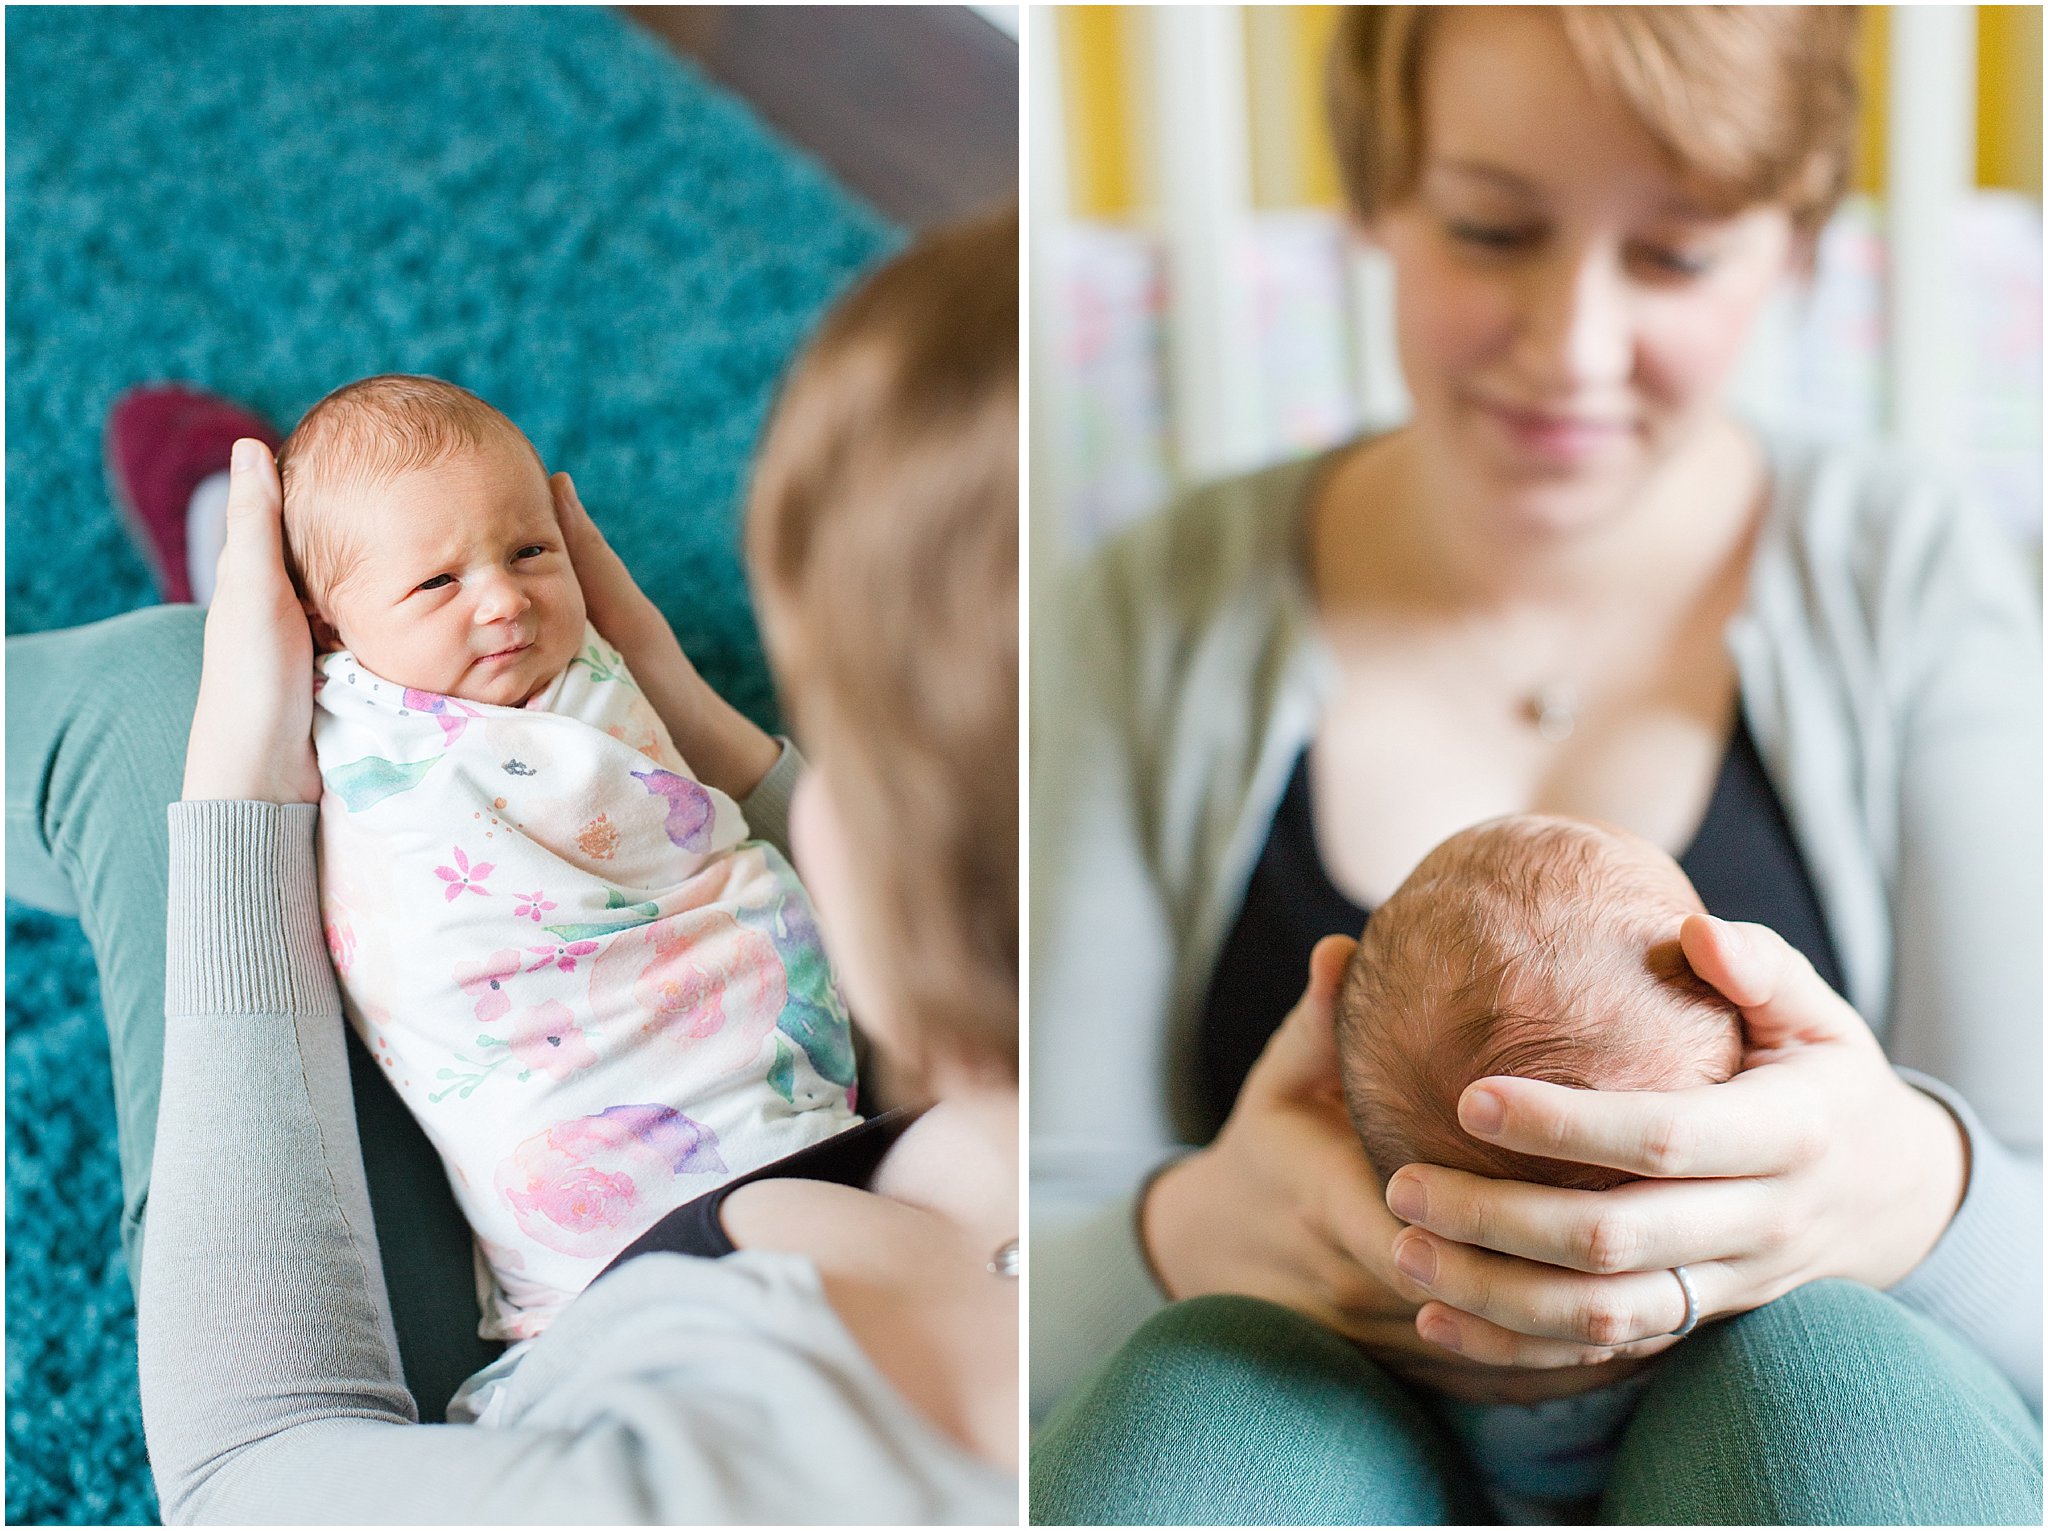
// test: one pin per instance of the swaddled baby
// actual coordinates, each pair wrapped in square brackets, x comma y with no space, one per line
[599,997]
[1544,948]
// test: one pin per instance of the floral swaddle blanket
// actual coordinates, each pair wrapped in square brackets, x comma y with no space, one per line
[598,997]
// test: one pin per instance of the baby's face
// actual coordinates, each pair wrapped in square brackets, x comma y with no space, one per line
[463,585]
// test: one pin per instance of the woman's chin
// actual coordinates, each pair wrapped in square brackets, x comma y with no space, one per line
[1557,508]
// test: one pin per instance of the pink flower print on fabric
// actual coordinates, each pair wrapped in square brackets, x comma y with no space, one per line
[341,944]
[451,714]
[698,980]
[546,1039]
[484,982]
[586,1187]
[531,905]
[463,878]
[691,814]
[561,955]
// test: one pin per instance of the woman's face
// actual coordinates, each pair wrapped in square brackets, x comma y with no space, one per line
[1569,309]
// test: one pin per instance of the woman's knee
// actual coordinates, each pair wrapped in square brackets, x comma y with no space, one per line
[1232,1410]
[1835,1404]
[97,719]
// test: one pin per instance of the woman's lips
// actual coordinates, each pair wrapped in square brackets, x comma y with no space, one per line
[1555,437]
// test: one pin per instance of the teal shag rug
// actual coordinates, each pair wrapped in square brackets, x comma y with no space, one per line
[540,204]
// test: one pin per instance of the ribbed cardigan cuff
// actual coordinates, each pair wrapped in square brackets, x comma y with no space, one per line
[767,806]
[243,934]
[1976,1279]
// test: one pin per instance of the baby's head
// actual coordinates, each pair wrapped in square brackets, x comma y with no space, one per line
[1545,948]
[421,531]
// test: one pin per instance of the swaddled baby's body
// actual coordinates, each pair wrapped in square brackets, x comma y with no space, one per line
[1544,948]
[597,994]
[598,997]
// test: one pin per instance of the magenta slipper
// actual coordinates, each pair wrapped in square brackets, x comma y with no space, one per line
[162,441]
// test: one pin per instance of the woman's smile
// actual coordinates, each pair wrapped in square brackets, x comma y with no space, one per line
[1553,438]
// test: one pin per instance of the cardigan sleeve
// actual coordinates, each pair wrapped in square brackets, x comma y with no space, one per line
[1103,951]
[767,806]
[1963,630]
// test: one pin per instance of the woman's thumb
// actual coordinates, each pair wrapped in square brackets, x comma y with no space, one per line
[1302,1056]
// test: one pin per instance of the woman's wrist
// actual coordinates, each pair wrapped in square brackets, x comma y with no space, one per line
[1934,1177]
[1151,1212]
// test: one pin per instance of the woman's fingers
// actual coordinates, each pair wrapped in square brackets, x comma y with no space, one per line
[252,725]
[253,546]
[1755,1124]
[1475,1339]
[1533,1300]
[1645,1225]
[1782,999]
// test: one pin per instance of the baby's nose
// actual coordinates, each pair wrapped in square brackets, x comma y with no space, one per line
[499,599]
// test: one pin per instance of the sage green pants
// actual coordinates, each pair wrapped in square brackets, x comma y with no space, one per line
[1833,1406]
[97,719]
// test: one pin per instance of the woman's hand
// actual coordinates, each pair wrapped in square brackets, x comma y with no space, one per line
[1284,1204]
[1816,1160]
[252,730]
[721,744]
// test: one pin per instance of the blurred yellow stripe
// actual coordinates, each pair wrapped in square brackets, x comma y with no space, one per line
[1874,71]
[1095,63]
[2009,97]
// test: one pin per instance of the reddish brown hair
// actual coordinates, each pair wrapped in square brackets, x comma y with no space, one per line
[882,538]
[1755,102]
[1528,946]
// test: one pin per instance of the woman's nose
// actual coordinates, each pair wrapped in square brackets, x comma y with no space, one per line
[1578,326]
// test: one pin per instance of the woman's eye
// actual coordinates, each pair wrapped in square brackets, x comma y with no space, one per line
[437,582]
[1492,236]
[1677,263]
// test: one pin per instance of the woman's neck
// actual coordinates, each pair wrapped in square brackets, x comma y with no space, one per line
[1440,542]
[964,1164]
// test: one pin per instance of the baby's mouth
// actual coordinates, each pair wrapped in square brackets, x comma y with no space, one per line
[512,652]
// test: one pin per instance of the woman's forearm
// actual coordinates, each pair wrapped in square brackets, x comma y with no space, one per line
[271,1385]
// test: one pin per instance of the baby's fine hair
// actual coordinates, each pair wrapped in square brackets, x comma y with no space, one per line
[1529,946]
[363,434]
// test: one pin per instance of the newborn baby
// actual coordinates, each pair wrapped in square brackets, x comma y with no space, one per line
[1545,948]
[599,997]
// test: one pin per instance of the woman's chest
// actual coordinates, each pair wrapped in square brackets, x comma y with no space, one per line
[1415,746]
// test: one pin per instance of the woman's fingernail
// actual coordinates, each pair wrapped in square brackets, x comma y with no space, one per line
[1483,1112]
[1408,1201]
[1417,1261]
[245,455]
[1441,1331]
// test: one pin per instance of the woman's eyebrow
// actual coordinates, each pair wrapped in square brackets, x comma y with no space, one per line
[1495,175]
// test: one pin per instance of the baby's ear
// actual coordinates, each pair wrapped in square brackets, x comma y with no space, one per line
[325,638]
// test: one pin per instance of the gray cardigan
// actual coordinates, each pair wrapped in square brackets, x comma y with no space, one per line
[1889,663]
[676,1390]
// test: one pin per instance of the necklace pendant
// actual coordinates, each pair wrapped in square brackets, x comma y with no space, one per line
[1554,709]
[1008,1260]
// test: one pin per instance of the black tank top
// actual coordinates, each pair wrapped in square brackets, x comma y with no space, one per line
[850,1158]
[1742,860]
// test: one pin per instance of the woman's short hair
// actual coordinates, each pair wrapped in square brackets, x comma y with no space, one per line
[1756,102]
[882,536]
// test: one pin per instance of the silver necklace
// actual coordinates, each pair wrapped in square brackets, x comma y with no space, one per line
[1554,709]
